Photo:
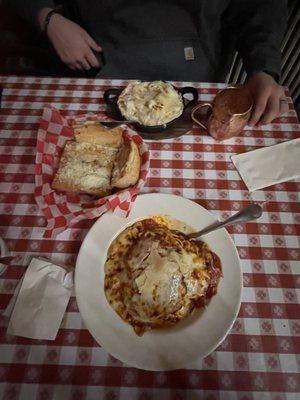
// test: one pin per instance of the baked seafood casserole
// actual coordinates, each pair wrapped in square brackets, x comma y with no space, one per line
[150,103]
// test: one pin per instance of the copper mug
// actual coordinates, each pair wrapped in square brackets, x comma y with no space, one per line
[229,113]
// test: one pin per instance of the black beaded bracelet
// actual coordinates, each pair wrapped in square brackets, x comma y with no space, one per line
[47,20]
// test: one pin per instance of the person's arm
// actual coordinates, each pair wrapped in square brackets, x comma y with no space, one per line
[74,46]
[30,9]
[259,26]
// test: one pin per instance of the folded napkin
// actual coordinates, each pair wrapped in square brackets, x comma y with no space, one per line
[38,308]
[269,165]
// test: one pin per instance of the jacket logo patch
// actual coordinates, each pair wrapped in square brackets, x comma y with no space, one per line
[189,54]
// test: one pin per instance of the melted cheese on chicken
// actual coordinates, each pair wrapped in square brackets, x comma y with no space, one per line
[150,103]
[155,276]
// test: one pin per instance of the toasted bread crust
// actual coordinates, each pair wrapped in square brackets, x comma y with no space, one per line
[68,187]
[94,132]
[97,161]
[127,166]
[82,163]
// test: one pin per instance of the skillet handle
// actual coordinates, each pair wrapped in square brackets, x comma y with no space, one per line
[111,96]
[189,90]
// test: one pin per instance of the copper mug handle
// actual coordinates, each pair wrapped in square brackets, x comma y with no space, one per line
[198,122]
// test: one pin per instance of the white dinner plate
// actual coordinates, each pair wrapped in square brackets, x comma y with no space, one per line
[166,349]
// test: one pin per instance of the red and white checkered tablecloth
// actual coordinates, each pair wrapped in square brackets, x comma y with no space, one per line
[259,359]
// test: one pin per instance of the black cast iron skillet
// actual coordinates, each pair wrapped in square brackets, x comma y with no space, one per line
[111,98]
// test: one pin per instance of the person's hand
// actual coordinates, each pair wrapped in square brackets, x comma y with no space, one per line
[269,99]
[73,44]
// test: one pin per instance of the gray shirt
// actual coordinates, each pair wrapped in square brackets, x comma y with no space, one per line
[189,40]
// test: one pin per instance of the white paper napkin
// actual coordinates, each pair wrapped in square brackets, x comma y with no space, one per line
[269,165]
[38,308]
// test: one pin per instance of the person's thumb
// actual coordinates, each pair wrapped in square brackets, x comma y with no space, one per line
[91,42]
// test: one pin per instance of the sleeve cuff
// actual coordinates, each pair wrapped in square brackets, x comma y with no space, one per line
[271,65]
[33,8]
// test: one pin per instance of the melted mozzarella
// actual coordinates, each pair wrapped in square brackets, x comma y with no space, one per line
[150,103]
[153,276]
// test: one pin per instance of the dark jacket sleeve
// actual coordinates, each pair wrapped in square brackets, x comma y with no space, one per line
[259,27]
[29,9]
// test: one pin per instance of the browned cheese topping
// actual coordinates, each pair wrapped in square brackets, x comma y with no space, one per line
[155,276]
